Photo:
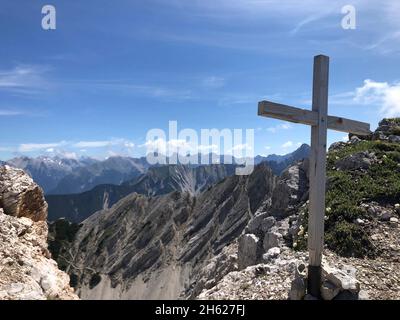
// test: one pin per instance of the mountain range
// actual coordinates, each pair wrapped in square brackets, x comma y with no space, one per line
[57,175]
[157,180]
[60,175]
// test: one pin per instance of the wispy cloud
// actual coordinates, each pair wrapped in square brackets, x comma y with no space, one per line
[310,19]
[71,146]
[26,79]
[32,147]
[214,82]
[10,113]
[127,87]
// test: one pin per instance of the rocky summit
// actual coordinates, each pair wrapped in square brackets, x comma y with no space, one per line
[26,269]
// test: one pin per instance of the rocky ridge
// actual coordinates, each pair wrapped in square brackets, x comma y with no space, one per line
[26,268]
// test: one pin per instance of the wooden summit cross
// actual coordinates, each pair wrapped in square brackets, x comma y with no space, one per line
[319,121]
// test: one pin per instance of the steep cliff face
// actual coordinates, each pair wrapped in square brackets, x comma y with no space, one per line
[154,247]
[26,268]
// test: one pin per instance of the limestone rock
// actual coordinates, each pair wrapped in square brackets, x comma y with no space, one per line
[385,215]
[394,222]
[363,295]
[216,269]
[272,253]
[247,251]
[26,270]
[20,196]
[337,146]
[329,291]
[394,139]
[291,189]
[255,223]
[271,239]
[342,278]
[267,223]
[299,284]
[360,160]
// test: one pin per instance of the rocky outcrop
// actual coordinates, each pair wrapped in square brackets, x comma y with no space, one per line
[248,248]
[361,160]
[20,196]
[388,130]
[270,280]
[26,268]
[291,189]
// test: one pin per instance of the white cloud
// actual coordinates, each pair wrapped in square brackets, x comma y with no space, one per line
[92,144]
[386,95]
[283,126]
[267,148]
[67,148]
[31,147]
[104,143]
[287,144]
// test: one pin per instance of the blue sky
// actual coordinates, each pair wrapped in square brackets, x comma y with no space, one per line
[113,70]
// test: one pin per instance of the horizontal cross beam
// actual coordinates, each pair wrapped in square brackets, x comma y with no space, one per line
[297,115]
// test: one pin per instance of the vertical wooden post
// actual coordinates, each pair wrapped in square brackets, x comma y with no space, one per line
[318,174]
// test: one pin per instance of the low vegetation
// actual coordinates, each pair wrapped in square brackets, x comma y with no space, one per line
[348,189]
